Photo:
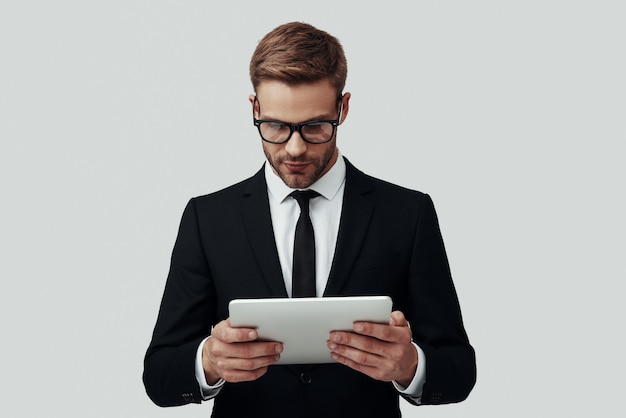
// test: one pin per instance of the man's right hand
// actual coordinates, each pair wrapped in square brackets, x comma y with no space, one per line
[233,354]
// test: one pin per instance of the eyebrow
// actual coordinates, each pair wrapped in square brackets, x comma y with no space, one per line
[320,117]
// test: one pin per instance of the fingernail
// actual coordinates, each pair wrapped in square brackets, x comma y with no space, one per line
[278,348]
[252,335]
[336,338]
[333,346]
[358,328]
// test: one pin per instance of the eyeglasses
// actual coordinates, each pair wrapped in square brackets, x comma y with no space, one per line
[313,132]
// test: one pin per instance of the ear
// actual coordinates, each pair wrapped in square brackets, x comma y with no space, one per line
[345,106]
[255,109]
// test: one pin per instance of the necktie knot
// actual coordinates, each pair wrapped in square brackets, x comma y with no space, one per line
[303,197]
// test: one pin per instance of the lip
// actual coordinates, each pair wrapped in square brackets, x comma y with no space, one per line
[296,166]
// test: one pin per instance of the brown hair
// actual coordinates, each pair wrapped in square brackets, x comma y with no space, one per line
[299,53]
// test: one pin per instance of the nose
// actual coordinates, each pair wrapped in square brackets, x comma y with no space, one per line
[296,146]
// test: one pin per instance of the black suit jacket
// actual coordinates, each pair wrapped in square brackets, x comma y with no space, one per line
[389,243]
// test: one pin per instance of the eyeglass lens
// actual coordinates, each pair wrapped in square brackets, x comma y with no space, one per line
[312,132]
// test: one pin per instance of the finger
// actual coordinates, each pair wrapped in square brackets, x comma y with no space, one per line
[246,364]
[244,350]
[341,341]
[384,332]
[377,373]
[224,332]
[243,370]
[359,350]
[345,342]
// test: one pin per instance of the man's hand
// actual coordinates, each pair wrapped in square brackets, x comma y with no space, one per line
[383,352]
[233,354]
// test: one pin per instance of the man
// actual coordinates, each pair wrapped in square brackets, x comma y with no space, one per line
[370,238]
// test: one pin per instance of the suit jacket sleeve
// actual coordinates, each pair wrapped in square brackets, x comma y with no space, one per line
[435,316]
[185,317]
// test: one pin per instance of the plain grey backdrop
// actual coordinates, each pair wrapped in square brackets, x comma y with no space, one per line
[511,114]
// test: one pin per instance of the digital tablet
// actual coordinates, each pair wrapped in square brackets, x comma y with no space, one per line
[303,325]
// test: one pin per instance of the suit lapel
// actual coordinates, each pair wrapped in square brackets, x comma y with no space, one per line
[258,224]
[355,217]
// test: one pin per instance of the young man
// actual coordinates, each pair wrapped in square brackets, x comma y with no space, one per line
[370,238]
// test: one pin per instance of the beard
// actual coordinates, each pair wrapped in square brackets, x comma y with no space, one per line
[317,166]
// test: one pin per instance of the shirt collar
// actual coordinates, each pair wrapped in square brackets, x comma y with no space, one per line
[328,185]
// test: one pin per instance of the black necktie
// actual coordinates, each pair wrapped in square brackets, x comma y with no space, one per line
[303,273]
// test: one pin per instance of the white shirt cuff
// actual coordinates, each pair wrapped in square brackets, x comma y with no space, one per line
[207,391]
[416,387]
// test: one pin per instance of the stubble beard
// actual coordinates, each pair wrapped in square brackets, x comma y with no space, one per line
[301,181]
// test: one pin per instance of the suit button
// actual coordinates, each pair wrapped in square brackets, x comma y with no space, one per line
[305,378]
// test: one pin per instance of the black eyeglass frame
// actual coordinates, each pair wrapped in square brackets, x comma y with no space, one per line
[297,126]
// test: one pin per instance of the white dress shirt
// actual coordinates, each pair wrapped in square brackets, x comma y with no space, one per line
[325,212]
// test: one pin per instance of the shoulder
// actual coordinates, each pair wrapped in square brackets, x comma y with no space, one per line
[375,188]
[233,193]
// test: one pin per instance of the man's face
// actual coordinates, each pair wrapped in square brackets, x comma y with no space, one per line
[297,162]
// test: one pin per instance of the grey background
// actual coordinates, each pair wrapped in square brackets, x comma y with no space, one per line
[510,114]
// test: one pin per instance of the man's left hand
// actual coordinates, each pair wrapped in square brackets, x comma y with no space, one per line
[383,352]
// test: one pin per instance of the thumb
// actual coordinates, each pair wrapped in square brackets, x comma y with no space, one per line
[397,319]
